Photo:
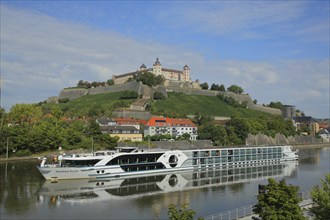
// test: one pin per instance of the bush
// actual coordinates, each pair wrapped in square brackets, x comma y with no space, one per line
[23,153]
[129,95]
[159,95]
[64,100]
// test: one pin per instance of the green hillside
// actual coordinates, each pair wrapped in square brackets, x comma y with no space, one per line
[98,104]
[181,104]
[176,105]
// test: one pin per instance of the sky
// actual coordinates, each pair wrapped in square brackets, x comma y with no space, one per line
[274,50]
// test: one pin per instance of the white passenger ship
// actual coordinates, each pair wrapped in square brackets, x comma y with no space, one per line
[92,190]
[131,161]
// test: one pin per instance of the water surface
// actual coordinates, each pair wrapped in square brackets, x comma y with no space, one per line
[24,194]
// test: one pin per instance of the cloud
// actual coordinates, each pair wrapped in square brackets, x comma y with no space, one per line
[252,19]
[40,55]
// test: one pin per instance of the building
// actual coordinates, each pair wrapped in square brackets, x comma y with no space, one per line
[124,132]
[157,69]
[124,128]
[175,127]
[130,121]
[288,111]
[325,134]
[307,122]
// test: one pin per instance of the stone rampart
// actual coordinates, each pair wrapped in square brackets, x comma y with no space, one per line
[148,92]
[72,93]
[131,114]
[132,86]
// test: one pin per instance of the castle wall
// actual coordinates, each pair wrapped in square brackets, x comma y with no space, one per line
[179,87]
[131,114]
[72,93]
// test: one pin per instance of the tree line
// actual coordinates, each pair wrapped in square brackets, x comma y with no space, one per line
[28,130]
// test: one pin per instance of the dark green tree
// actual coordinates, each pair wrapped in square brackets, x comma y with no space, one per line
[222,88]
[277,105]
[181,214]
[159,95]
[279,201]
[321,199]
[214,87]
[235,89]
[204,85]
[129,95]
[241,128]
[110,82]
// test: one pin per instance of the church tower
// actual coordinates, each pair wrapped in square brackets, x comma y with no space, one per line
[157,68]
[186,74]
[143,67]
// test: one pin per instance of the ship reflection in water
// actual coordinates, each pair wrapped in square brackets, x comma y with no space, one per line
[80,191]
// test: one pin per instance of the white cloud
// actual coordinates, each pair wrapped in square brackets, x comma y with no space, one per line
[222,18]
[41,55]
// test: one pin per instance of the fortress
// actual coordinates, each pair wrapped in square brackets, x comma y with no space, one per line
[157,69]
[177,81]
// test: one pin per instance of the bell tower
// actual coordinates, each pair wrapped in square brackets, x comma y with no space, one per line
[186,74]
[157,68]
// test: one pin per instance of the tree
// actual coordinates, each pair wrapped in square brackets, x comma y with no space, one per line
[80,84]
[241,128]
[214,87]
[222,88]
[129,95]
[110,82]
[204,86]
[279,201]
[159,95]
[235,89]
[186,136]
[25,113]
[182,214]
[277,105]
[321,199]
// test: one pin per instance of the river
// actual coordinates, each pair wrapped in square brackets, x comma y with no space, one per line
[24,194]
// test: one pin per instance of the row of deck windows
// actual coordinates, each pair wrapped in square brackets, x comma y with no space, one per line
[226,152]
[243,158]
[133,159]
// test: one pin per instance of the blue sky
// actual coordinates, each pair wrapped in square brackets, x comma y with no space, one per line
[275,50]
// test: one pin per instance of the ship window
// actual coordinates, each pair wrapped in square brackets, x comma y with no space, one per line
[173,160]
[79,163]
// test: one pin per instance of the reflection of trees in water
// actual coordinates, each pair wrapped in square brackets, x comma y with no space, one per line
[19,183]
[310,156]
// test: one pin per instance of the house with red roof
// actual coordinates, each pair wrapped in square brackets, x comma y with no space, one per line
[173,126]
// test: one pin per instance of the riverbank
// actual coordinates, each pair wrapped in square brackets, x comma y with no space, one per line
[36,157]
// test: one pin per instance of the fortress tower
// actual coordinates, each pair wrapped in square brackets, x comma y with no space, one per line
[186,74]
[157,68]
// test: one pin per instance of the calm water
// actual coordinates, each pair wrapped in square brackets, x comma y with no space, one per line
[25,195]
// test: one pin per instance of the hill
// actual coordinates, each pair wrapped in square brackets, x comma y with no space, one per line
[94,105]
[176,105]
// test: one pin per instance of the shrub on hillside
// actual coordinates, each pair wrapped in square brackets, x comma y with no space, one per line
[129,95]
